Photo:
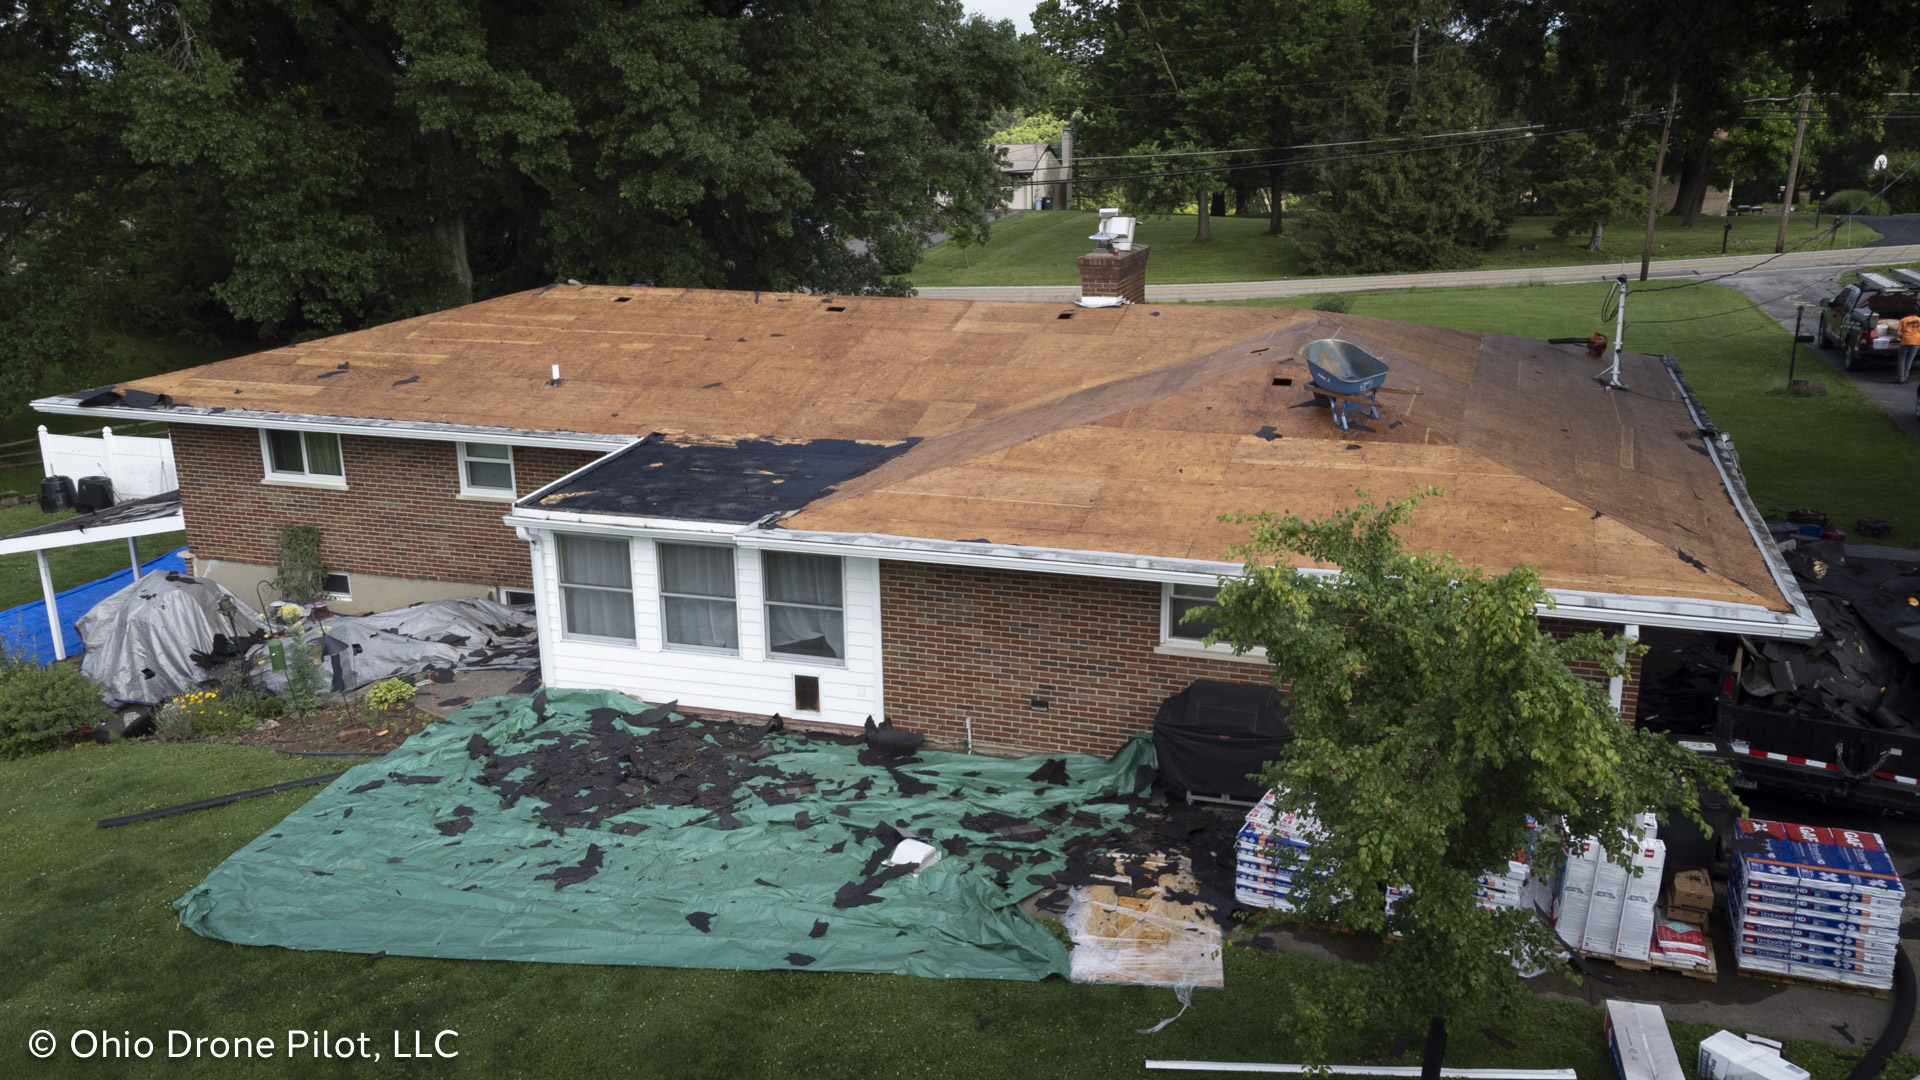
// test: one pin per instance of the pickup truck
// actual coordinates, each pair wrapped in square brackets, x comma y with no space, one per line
[1863,320]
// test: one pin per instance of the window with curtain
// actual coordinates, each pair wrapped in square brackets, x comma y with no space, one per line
[697,596]
[805,608]
[1184,598]
[596,587]
[303,453]
[486,469]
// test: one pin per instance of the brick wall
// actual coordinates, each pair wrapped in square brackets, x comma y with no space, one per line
[1121,273]
[961,641]
[400,515]
[1629,690]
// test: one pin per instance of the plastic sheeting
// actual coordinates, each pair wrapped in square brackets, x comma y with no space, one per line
[462,633]
[417,854]
[24,629]
[141,641]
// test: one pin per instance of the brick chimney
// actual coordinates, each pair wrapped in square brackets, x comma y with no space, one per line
[1117,267]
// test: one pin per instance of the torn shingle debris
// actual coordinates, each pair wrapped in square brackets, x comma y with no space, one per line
[548,794]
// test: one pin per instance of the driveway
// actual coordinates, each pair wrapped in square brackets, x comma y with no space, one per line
[1781,293]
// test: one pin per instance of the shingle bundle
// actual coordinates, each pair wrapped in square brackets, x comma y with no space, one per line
[1814,903]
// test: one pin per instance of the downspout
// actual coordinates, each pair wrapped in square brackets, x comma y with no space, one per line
[536,551]
[1617,686]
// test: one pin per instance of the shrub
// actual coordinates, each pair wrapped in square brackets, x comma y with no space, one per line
[199,714]
[1855,201]
[39,705]
[1338,303]
[387,694]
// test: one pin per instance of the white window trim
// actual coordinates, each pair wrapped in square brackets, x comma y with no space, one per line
[299,479]
[766,605]
[469,491]
[1174,644]
[561,585]
[660,576]
[347,594]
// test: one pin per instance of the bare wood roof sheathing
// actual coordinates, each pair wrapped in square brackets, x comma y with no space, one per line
[1123,430]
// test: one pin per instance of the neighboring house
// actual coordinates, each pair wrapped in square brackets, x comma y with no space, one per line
[1036,173]
[982,518]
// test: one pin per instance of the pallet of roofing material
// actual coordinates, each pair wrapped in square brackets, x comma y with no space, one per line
[1145,936]
[1815,904]
[1605,909]
[1271,846]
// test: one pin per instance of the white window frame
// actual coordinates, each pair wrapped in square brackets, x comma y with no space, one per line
[660,563]
[303,478]
[561,585]
[1175,643]
[339,594]
[469,490]
[768,605]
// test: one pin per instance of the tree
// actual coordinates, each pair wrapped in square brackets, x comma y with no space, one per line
[299,167]
[1594,187]
[1432,717]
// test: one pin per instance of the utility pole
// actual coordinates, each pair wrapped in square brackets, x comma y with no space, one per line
[1793,169]
[1653,189]
[1066,166]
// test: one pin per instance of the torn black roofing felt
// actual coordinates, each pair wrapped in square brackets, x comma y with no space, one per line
[735,483]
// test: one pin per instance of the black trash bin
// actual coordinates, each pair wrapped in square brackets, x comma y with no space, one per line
[96,493]
[1211,735]
[56,494]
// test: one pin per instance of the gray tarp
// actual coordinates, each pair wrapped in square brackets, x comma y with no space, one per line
[140,641]
[462,633]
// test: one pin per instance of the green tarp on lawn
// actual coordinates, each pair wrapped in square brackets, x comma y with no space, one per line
[415,854]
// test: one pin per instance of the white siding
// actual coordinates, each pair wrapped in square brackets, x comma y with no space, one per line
[752,682]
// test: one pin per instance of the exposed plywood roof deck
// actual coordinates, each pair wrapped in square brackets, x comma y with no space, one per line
[1123,430]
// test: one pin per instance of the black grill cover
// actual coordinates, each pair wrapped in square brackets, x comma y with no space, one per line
[1209,736]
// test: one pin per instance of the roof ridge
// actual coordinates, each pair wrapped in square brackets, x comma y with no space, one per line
[1084,406]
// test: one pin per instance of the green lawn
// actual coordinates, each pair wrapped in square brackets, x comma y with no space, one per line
[1837,453]
[91,943]
[70,566]
[1038,248]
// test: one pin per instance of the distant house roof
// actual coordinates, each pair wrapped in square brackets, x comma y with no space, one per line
[1124,430]
[1029,157]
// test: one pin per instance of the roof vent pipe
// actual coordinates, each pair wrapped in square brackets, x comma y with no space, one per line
[555,381]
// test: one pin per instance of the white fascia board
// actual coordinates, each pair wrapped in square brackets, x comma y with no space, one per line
[1572,604]
[73,538]
[340,425]
[532,518]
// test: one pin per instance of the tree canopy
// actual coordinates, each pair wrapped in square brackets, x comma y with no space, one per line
[307,166]
[1433,717]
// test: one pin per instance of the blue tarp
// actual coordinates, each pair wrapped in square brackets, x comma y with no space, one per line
[24,628]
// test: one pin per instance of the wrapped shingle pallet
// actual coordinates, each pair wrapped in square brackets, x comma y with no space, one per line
[1814,903]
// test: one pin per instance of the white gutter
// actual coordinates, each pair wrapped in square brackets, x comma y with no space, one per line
[1719,448]
[340,425]
[1573,604]
[173,522]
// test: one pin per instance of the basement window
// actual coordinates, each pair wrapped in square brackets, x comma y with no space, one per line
[302,457]
[486,470]
[337,586]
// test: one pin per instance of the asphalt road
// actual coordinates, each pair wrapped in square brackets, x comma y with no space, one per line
[1880,254]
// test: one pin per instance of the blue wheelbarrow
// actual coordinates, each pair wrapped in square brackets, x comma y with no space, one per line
[1346,376]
